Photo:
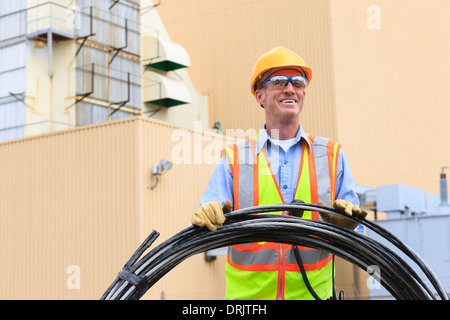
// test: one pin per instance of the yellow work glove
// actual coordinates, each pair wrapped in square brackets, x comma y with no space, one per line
[345,207]
[211,215]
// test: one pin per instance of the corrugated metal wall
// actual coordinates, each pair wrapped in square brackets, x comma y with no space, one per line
[76,204]
[12,69]
[114,49]
[63,205]
[12,12]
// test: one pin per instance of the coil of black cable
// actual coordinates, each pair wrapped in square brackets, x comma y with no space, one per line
[257,224]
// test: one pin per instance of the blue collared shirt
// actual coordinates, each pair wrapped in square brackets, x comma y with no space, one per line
[285,166]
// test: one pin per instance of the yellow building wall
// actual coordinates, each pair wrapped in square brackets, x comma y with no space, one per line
[391,70]
[77,203]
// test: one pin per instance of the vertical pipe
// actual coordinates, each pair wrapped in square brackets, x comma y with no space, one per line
[109,86]
[51,105]
[90,22]
[443,207]
[443,187]
[50,53]
[50,73]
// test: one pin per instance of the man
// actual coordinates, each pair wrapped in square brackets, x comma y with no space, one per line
[280,165]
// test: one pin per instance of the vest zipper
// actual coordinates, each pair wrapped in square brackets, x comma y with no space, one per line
[281,273]
[280,296]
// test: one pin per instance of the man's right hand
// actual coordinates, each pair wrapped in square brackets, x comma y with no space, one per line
[211,215]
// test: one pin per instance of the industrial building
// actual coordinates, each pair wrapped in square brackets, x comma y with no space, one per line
[96,96]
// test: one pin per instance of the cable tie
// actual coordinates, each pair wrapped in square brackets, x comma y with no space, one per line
[140,282]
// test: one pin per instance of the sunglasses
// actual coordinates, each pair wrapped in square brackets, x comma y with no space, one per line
[278,82]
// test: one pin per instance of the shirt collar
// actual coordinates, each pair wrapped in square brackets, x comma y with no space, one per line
[264,137]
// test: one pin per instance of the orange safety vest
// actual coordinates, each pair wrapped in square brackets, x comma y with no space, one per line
[266,270]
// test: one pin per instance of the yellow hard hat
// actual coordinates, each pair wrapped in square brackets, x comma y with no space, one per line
[278,57]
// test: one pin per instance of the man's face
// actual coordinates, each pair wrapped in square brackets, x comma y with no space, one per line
[282,104]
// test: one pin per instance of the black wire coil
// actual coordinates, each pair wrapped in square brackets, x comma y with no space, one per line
[245,225]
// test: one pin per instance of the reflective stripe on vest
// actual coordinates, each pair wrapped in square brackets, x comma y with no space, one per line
[269,258]
[255,184]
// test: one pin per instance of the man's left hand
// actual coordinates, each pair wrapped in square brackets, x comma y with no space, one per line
[345,207]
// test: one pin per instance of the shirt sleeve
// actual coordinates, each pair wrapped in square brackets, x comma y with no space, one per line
[345,185]
[220,186]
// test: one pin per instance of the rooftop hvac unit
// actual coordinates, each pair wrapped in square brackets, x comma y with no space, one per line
[161,90]
[400,200]
[164,55]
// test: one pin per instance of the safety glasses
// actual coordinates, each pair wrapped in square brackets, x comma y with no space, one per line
[278,82]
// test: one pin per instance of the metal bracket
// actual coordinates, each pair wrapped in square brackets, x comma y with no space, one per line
[114,3]
[122,103]
[86,37]
[117,50]
[87,94]
[21,98]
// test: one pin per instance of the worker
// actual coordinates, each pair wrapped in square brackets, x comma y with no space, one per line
[282,164]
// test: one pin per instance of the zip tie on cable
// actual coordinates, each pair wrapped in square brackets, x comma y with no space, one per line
[126,274]
[139,282]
